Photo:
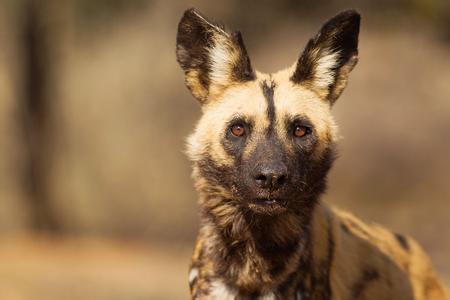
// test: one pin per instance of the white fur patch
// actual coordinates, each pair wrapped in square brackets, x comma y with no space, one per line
[324,74]
[193,274]
[221,61]
[219,291]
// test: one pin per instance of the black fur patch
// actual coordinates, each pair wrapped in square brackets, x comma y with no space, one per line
[194,37]
[273,251]
[367,276]
[217,176]
[345,228]
[242,70]
[402,241]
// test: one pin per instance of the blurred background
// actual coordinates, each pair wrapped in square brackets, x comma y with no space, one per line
[96,200]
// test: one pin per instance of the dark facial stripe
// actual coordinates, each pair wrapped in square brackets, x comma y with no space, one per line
[268,94]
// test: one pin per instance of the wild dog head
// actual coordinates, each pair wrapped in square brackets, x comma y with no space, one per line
[265,142]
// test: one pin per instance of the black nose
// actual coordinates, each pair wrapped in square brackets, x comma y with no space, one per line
[271,178]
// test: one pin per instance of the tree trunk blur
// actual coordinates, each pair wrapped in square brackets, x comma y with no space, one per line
[38,70]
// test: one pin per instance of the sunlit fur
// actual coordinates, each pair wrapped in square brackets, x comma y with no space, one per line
[295,247]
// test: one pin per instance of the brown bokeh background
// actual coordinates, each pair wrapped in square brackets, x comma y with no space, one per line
[96,200]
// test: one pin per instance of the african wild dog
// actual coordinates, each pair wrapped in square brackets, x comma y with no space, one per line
[261,154]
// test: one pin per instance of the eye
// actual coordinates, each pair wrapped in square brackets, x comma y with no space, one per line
[301,131]
[237,130]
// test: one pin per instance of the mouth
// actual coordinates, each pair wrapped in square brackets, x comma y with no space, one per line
[268,201]
[268,205]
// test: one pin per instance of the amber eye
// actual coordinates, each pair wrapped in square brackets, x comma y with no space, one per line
[238,130]
[300,131]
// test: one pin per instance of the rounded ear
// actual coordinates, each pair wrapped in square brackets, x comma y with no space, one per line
[211,57]
[329,57]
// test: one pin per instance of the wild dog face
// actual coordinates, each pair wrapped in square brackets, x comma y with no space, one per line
[265,142]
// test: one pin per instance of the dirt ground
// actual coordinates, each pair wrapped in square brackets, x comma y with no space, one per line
[44,268]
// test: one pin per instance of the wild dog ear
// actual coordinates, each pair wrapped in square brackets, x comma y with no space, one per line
[329,57]
[211,57]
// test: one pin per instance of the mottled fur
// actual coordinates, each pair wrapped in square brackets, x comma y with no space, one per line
[264,234]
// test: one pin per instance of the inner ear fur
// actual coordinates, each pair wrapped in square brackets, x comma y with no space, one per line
[212,57]
[329,57]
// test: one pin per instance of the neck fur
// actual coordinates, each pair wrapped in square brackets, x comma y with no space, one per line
[254,252]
